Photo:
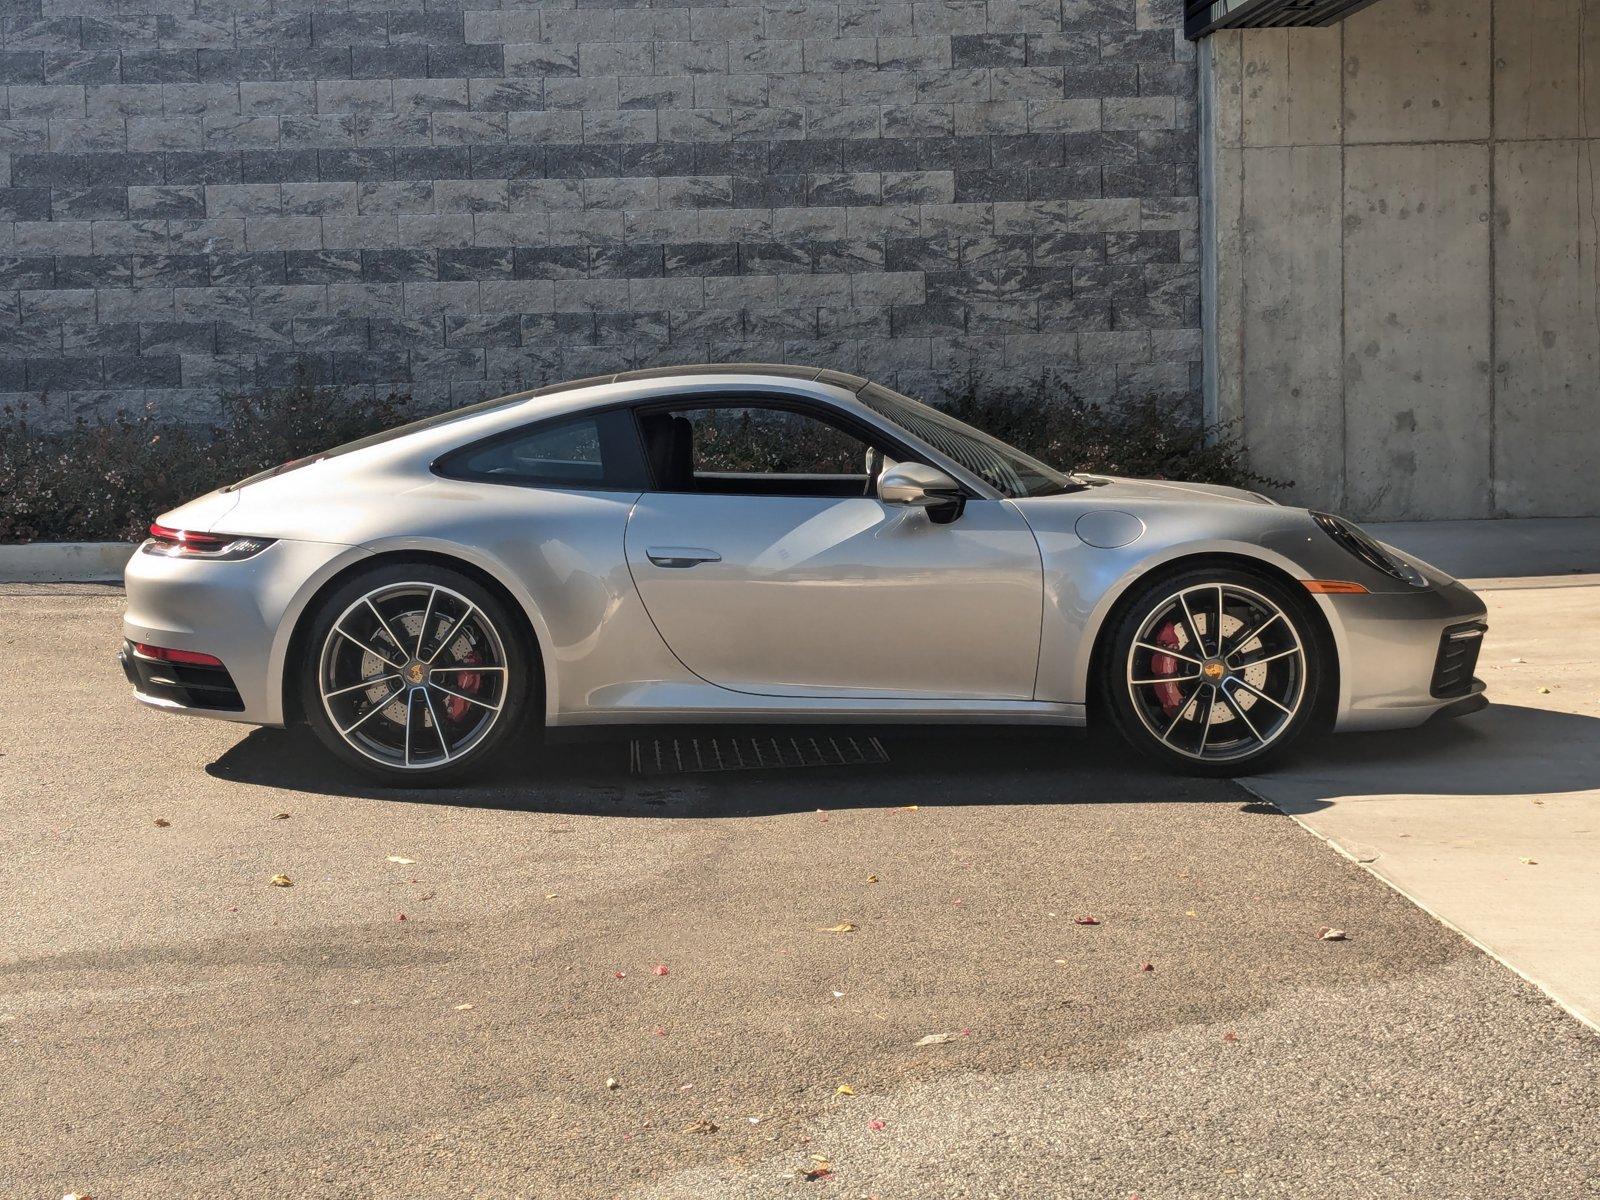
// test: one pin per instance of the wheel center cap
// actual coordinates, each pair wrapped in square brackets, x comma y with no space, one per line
[416,673]
[1214,669]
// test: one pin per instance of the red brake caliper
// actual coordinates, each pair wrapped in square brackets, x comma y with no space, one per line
[1170,694]
[469,683]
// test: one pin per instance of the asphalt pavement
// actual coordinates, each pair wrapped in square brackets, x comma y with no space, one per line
[574,981]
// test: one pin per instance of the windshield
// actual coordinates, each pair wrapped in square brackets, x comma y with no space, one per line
[1005,468]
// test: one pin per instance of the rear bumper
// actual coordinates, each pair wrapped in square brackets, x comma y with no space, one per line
[244,613]
[179,685]
[1403,657]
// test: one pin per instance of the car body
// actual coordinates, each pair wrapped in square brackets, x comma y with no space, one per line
[963,604]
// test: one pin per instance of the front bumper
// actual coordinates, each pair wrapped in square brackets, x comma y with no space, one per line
[1406,657]
[243,613]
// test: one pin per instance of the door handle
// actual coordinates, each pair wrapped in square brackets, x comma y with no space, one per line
[681,556]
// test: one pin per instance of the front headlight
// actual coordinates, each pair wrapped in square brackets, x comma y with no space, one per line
[1357,542]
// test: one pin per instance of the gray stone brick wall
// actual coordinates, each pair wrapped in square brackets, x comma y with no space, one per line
[455,201]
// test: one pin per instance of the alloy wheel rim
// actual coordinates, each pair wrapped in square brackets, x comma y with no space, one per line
[413,675]
[1217,672]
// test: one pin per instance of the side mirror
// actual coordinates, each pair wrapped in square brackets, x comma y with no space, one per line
[916,485]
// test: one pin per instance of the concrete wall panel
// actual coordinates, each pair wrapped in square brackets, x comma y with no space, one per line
[1291,336]
[1547,282]
[1291,86]
[1418,409]
[1417,71]
[1543,85]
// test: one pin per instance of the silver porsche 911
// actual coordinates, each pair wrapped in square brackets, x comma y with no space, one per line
[770,544]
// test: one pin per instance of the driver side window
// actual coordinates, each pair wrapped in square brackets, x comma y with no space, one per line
[750,449]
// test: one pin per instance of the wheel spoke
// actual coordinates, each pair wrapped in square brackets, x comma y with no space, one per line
[1239,643]
[365,684]
[463,696]
[373,711]
[1189,622]
[372,650]
[1182,708]
[1238,711]
[422,629]
[411,707]
[1205,722]
[383,624]
[1257,692]
[1181,657]
[453,632]
[438,729]
[1259,662]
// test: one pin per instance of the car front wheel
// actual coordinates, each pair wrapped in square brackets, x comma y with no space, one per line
[1215,672]
[414,673]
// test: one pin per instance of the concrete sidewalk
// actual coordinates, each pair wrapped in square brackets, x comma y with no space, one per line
[1491,823]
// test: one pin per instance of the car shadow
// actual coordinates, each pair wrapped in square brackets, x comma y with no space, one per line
[924,767]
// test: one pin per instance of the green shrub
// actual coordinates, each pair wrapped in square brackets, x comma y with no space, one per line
[1151,438]
[104,479]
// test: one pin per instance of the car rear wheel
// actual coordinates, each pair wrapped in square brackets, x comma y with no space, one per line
[415,674]
[1214,672]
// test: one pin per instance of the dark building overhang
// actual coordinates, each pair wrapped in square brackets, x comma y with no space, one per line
[1201,17]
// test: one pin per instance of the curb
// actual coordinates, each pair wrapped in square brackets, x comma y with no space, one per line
[65,562]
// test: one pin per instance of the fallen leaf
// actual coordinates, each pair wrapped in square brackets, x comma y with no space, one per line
[551,896]
[841,927]
[876,1125]
[819,1169]
[936,1039]
[400,916]
[1086,920]
[686,1087]
[660,1031]
[1519,660]
[844,1089]
[282,881]
[280,816]
[872,879]
[77,1196]
[1147,967]
[662,971]
[465,1007]
[1189,912]
[700,1126]
[162,822]
[620,974]
[404,862]
[838,995]
[1329,934]
[1230,1036]
[1544,691]
[612,1085]
[1532,862]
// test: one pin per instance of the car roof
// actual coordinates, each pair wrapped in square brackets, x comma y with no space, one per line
[840,379]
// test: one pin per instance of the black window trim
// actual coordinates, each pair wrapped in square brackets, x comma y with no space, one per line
[838,418]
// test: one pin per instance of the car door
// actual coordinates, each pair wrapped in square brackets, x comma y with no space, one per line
[770,566]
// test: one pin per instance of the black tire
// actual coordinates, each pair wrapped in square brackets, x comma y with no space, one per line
[413,607]
[1279,675]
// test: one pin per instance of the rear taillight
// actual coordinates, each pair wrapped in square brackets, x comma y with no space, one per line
[186,543]
[188,658]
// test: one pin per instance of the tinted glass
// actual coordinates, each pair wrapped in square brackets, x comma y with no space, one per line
[599,452]
[771,441]
[1005,468]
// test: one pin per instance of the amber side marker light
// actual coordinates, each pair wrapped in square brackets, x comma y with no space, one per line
[1333,587]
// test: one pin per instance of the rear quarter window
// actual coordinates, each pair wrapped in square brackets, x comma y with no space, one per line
[598,452]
